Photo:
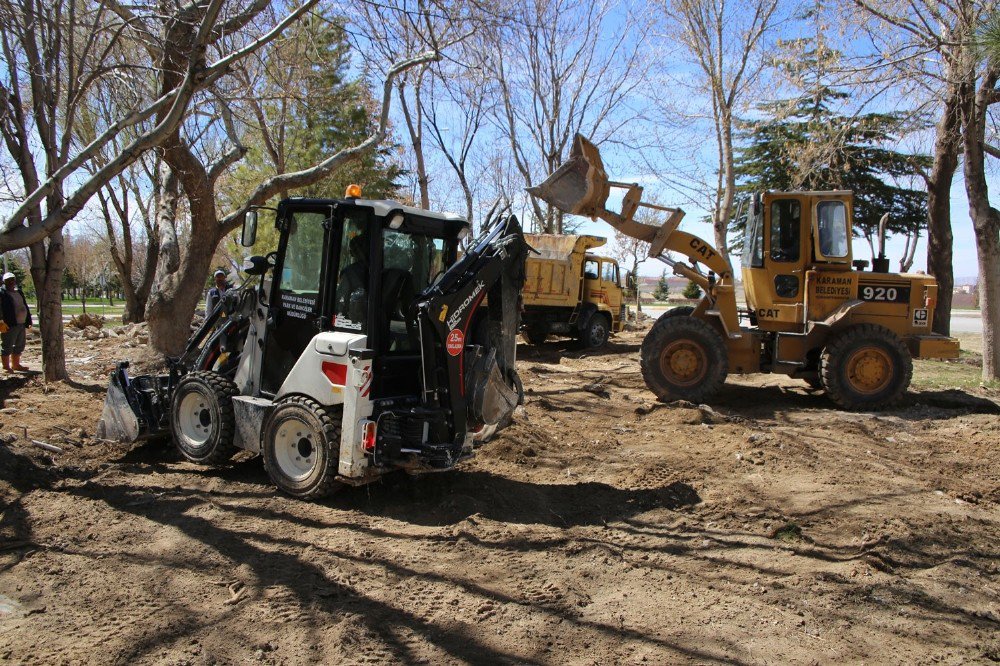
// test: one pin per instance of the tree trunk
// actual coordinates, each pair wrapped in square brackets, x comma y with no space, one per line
[939,235]
[47,266]
[171,306]
[985,218]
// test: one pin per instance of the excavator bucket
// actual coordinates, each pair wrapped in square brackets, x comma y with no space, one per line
[580,186]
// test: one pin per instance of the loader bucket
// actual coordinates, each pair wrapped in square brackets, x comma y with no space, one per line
[118,422]
[135,407]
[580,185]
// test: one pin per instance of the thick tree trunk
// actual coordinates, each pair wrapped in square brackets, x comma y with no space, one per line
[939,235]
[988,254]
[47,266]
[985,218]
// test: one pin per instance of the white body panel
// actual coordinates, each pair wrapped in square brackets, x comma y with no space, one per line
[350,387]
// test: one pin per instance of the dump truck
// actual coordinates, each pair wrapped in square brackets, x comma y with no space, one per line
[571,291]
[813,312]
[357,348]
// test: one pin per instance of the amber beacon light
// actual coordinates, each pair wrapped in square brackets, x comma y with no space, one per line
[353,191]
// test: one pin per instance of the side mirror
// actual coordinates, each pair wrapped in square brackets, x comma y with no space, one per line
[629,280]
[256,265]
[249,235]
[754,205]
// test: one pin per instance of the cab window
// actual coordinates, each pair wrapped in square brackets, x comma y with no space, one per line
[786,230]
[351,306]
[832,219]
[590,269]
[410,263]
[610,272]
[753,242]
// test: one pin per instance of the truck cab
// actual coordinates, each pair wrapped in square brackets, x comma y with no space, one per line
[571,291]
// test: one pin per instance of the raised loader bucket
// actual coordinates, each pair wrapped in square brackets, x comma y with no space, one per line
[580,186]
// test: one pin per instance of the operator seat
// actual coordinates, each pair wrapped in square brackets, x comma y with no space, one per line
[398,297]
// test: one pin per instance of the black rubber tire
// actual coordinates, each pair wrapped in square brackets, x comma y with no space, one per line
[597,332]
[677,329]
[836,356]
[680,311]
[535,334]
[322,480]
[217,410]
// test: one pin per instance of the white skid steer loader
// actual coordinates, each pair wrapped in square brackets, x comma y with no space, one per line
[362,345]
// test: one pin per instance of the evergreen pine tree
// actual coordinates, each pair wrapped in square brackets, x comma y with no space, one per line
[662,291]
[691,291]
[805,143]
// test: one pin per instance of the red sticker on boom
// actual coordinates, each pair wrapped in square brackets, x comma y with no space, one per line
[455,342]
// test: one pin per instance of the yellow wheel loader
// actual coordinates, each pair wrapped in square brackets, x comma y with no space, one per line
[812,312]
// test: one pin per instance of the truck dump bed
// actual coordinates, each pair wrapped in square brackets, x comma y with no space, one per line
[554,275]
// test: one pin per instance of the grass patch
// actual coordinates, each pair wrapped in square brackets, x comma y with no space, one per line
[964,372]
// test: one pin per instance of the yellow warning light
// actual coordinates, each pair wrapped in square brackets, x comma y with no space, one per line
[353,191]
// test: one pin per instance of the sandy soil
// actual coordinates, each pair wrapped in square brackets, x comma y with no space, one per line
[601,528]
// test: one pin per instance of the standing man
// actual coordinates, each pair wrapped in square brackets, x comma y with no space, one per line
[16,318]
[215,293]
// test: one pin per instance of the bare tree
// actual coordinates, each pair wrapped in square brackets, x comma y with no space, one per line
[727,41]
[559,68]
[128,209]
[59,54]
[464,94]
[958,83]
[632,252]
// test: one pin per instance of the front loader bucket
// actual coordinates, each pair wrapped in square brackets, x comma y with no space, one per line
[119,423]
[580,186]
[135,407]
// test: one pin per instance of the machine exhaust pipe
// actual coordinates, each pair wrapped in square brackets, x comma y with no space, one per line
[881,263]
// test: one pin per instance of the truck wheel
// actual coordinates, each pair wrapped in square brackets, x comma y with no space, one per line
[683,358]
[597,331]
[535,334]
[866,367]
[201,417]
[300,446]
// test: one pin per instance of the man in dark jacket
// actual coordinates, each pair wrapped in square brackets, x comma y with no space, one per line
[215,293]
[16,319]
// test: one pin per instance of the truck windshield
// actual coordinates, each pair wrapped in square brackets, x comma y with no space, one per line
[410,262]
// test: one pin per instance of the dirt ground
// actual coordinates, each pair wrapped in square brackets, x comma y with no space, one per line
[601,528]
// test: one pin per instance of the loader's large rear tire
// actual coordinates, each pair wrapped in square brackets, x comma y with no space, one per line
[300,447]
[866,367]
[683,357]
[680,311]
[201,417]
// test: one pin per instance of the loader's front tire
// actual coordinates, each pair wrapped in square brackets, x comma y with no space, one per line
[201,417]
[300,446]
[683,358]
[866,367]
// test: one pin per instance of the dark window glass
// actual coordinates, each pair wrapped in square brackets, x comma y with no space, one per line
[351,306]
[786,230]
[590,269]
[753,244]
[410,263]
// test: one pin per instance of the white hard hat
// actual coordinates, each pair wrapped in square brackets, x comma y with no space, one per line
[9,276]
[220,272]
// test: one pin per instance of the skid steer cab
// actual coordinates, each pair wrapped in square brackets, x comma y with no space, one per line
[360,346]
[813,312]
